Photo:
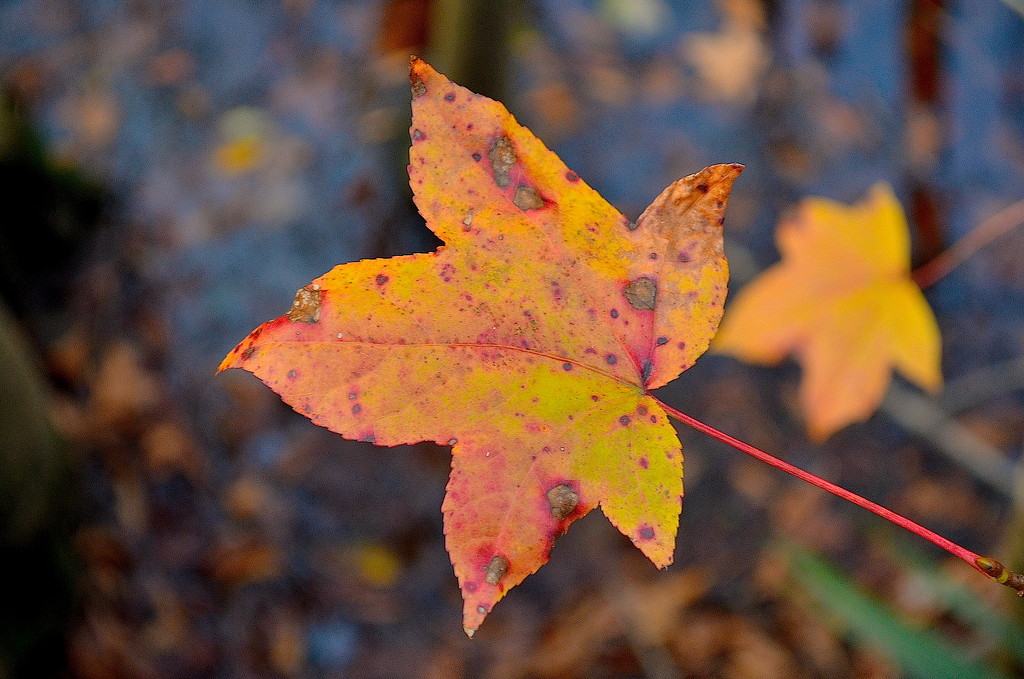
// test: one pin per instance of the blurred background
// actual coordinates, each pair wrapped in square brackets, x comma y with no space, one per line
[171,172]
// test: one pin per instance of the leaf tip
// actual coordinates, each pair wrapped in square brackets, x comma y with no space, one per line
[470,631]
[417,70]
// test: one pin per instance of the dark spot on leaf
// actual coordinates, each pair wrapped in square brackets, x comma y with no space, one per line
[503,157]
[684,257]
[417,135]
[642,294]
[646,533]
[644,464]
[450,97]
[703,188]
[496,570]
[641,410]
[624,420]
[646,372]
[527,198]
[563,500]
[248,352]
[567,366]
[352,394]
[681,345]
[477,156]
[654,420]
[572,176]
[595,398]
[292,374]
[614,313]
[662,340]
[471,586]
[307,408]
[418,88]
[482,610]
[382,279]
[652,256]
[306,307]
[632,225]
[611,359]
[356,409]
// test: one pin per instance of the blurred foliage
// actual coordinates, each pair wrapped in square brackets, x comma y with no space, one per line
[920,652]
[50,211]
[36,501]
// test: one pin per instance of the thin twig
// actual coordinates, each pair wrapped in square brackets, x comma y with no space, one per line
[988,230]
[1016,5]
[920,415]
[982,385]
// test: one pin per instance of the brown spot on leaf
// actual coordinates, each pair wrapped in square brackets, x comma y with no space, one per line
[642,294]
[306,307]
[563,500]
[703,188]
[477,156]
[418,88]
[624,420]
[567,366]
[292,374]
[646,533]
[644,464]
[496,570]
[632,225]
[382,279]
[450,97]
[662,340]
[527,198]
[417,135]
[614,313]
[611,359]
[356,409]
[502,156]
[248,352]
[572,176]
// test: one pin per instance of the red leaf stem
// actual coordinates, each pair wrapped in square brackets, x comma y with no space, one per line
[985,565]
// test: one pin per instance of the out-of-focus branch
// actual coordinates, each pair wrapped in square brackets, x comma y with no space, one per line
[924,418]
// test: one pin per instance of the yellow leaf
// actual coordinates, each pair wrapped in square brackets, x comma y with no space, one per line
[528,342]
[841,302]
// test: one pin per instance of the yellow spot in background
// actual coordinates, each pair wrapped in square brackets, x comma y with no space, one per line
[377,565]
[239,156]
[245,134]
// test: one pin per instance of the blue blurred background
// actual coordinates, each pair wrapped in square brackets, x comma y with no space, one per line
[172,171]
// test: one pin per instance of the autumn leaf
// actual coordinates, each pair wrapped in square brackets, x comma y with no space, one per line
[528,342]
[843,303]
